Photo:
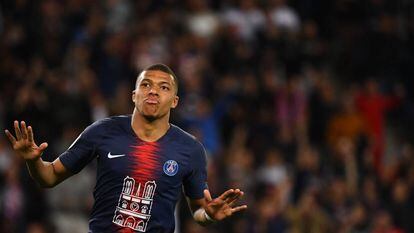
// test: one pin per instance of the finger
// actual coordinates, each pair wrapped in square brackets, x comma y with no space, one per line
[238,208]
[23,129]
[207,195]
[43,147]
[17,130]
[10,136]
[237,197]
[233,195]
[226,194]
[30,134]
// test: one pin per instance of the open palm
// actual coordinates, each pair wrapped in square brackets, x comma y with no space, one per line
[24,143]
[222,206]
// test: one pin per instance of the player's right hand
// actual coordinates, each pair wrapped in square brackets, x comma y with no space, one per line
[23,143]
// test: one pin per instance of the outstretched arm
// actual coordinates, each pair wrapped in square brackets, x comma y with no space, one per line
[47,174]
[208,210]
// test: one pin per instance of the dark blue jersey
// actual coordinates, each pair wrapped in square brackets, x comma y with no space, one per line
[138,183]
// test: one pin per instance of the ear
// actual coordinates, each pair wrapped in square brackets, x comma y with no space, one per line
[175,102]
[133,96]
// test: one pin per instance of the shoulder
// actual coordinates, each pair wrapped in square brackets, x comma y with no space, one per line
[193,147]
[109,122]
[186,138]
[189,146]
[183,135]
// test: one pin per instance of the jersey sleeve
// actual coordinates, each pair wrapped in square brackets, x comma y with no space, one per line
[82,150]
[196,181]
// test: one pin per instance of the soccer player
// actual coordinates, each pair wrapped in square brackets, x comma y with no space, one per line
[143,163]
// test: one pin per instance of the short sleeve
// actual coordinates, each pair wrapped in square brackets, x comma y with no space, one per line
[196,181]
[82,150]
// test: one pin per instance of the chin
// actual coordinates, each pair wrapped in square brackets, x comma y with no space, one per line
[150,117]
[149,113]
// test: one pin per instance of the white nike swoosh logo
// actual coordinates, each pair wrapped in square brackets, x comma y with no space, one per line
[114,156]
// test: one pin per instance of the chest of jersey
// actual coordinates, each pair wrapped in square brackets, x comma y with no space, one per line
[166,163]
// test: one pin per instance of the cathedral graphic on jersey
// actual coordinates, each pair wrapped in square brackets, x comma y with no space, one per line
[134,207]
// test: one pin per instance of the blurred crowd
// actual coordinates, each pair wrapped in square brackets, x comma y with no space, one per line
[306,105]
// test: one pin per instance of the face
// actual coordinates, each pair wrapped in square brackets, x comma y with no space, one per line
[155,94]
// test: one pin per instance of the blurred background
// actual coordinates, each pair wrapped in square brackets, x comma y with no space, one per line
[306,105]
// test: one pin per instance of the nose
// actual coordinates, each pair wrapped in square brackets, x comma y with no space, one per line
[153,90]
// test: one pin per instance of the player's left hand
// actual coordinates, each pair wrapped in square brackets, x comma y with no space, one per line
[223,206]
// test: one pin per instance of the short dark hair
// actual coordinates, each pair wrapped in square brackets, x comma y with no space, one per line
[164,68]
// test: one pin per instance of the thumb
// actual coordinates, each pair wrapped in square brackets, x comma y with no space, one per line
[207,195]
[43,147]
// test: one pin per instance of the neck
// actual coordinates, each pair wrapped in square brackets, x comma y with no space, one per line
[149,130]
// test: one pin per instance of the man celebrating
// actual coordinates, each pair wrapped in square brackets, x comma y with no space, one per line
[143,163]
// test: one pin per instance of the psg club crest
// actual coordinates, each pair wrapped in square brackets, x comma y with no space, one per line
[170,167]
